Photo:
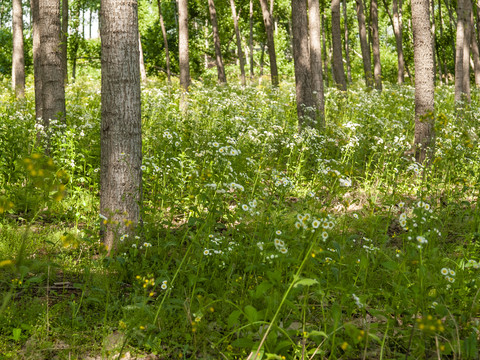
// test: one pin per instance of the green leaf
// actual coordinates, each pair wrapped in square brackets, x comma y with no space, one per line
[306,282]
[16,334]
[317,333]
[233,318]
[245,343]
[262,288]
[390,265]
[251,313]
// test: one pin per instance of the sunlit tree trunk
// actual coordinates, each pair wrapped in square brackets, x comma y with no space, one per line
[347,42]
[143,72]
[267,19]
[424,81]
[239,43]
[65,39]
[475,52]
[250,39]
[377,66]
[338,70]
[222,79]
[362,31]
[316,60]
[34,8]
[397,29]
[121,139]
[18,59]
[459,51]
[466,49]
[165,40]
[324,50]
[183,45]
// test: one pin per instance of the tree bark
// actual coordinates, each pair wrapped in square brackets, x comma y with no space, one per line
[466,49]
[316,60]
[267,19]
[222,79]
[362,31]
[165,41]
[121,139]
[143,72]
[34,6]
[324,51]
[424,82]
[301,58]
[338,70]
[18,59]
[250,39]
[183,58]
[377,66]
[475,52]
[459,51]
[347,42]
[239,43]
[65,40]
[397,29]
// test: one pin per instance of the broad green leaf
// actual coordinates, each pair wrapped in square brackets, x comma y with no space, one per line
[306,282]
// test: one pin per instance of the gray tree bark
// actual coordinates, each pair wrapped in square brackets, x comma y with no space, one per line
[18,59]
[250,39]
[165,41]
[347,43]
[183,58]
[377,66]
[338,70]
[466,49]
[222,78]
[397,29]
[36,59]
[316,60]
[267,19]
[362,31]
[121,138]
[475,52]
[424,82]
[459,51]
[239,43]
[65,39]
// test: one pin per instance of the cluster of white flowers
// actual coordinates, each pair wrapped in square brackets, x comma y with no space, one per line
[473,264]
[449,274]
[357,301]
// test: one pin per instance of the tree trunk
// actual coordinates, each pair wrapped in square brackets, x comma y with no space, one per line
[362,30]
[18,59]
[121,137]
[316,60]
[165,41]
[324,51]
[347,43]
[459,51]
[51,69]
[424,82]
[250,39]
[475,52]
[397,29]
[143,72]
[239,43]
[222,79]
[65,40]
[338,70]
[466,49]
[267,19]
[377,66]
[301,58]
[183,58]
[36,59]
[75,39]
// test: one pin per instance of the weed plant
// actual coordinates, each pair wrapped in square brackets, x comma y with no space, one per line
[257,242]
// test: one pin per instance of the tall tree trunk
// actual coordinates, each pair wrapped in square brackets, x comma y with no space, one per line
[53,86]
[316,60]
[36,59]
[338,70]
[424,82]
[222,78]
[18,59]
[183,58]
[436,60]
[397,29]
[466,49]
[324,50]
[65,39]
[459,51]
[75,39]
[250,38]
[377,66]
[165,40]
[362,31]
[121,136]
[267,19]
[239,43]
[347,43]
[143,72]
[475,52]
[301,58]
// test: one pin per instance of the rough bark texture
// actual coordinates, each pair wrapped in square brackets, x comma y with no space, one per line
[424,81]
[475,53]
[397,29]
[222,78]
[267,19]
[51,69]
[324,50]
[301,58]
[65,39]
[239,43]
[18,60]
[316,60]
[165,41]
[362,31]
[459,51]
[338,70]
[250,39]
[377,66]
[121,141]
[36,58]
[183,58]
[466,49]
[347,42]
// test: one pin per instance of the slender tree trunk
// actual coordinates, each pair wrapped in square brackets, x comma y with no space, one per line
[65,39]
[18,59]
[362,30]
[347,43]
[338,70]
[324,51]
[239,43]
[183,45]
[442,54]
[36,59]
[475,52]
[436,60]
[250,39]
[143,72]
[424,82]
[459,51]
[377,66]
[316,60]
[466,49]
[222,78]
[121,136]
[165,41]
[267,19]
[301,58]
[53,86]
[397,29]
